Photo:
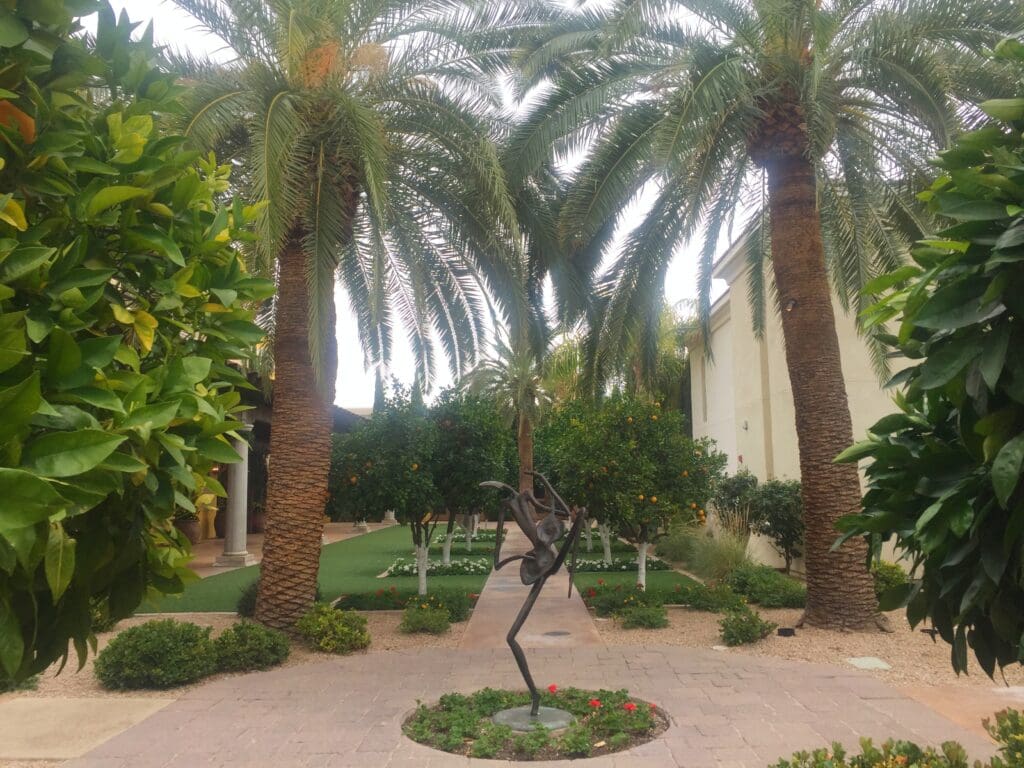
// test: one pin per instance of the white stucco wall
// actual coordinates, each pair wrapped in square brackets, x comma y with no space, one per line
[742,396]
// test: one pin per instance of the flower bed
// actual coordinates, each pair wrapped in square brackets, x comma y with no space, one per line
[619,564]
[458,603]
[468,566]
[606,722]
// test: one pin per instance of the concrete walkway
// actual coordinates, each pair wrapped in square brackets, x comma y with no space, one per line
[557,620]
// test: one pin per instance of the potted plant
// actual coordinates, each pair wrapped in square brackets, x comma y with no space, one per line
[188,523]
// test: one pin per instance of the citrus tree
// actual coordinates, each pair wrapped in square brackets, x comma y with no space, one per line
[630,463]
[386,464]
[473,444]
[944,472]
[124,312]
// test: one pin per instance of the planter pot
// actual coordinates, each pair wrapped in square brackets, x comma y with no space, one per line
[190,528]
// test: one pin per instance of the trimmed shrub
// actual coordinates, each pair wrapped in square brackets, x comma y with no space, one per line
[158,654]
[767,587]
[644,617]
[27,684]
[718,598]
[457,602]
[779,512]
[744,626]
[426,619]
[887,576]
[1008,732]
[608,600]
[248,645]
[332,630]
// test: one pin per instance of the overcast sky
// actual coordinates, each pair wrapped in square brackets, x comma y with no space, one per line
[354,384]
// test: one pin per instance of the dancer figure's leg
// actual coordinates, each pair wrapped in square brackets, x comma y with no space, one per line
[517,651]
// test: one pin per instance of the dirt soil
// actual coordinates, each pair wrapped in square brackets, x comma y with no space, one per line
[382,625]
[913,656]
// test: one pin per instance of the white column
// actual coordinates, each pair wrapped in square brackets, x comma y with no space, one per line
[235,553]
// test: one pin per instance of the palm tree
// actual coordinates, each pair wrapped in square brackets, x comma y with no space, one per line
[364,127]
[815,114]
[513,378]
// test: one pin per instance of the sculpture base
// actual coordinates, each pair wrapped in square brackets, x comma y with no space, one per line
[519,719]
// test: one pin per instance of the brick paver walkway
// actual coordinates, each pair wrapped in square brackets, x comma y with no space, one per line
[729,710]
[557,620]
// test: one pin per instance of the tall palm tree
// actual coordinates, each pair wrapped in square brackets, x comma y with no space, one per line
[813,113]
[365,127]
[513,378]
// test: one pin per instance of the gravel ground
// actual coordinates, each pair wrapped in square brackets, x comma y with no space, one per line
[913,656]
[383,627]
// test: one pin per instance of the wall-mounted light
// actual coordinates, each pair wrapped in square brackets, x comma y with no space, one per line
[790,305]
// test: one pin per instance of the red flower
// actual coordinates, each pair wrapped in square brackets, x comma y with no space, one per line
[654,707]
[629,706]
[595,703]
[553,688]
[379,592]
[393,589]
[600,581]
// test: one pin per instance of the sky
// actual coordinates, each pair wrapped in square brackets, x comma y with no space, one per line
[355,385]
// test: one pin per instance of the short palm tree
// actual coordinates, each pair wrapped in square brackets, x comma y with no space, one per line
[513,378]
[813,113]
[365,128]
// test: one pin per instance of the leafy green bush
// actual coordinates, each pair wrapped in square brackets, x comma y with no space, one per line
[610,600]
[676,546]
[779,515]
[529,744]
[944,477]
[124,312]
[716,598]
[158,654]
[767,587]
[457,602]
[99,616]
[26,684]
[423,618]
[740,627]
[643,617]
[576,741]
[888,577]
[248,645]
[491,740]
[716,556]
[332,630]
[1008,732]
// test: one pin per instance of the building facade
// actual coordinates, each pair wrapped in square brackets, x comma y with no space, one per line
[741,395]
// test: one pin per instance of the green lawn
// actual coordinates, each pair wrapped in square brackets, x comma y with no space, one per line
[346,567]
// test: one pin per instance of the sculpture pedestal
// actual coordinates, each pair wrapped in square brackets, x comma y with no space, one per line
[519,719]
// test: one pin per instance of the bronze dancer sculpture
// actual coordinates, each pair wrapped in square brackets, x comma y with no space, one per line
[541,561]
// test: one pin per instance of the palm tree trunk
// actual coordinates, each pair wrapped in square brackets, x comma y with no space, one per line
[525,442]
[300,448]
[839,588]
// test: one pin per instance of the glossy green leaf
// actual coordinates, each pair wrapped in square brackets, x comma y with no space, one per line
[856,452]
[951,357]
[218,450]
[111,196]
[24,260]
[63,355]
[151,417]
[12,646]
[1007,467]
[66,454]
[1004,109]
[18,403]
[12,31]
[59,563]
[26,499]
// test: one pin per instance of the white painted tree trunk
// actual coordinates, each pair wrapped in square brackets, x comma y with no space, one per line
[474,523]
[641,564]
[421,568]
[606,541]
[446,552]
[587,537]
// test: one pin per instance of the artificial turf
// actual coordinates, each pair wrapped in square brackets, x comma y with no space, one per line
[346,567]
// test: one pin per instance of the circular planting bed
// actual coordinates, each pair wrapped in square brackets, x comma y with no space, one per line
[603,722]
